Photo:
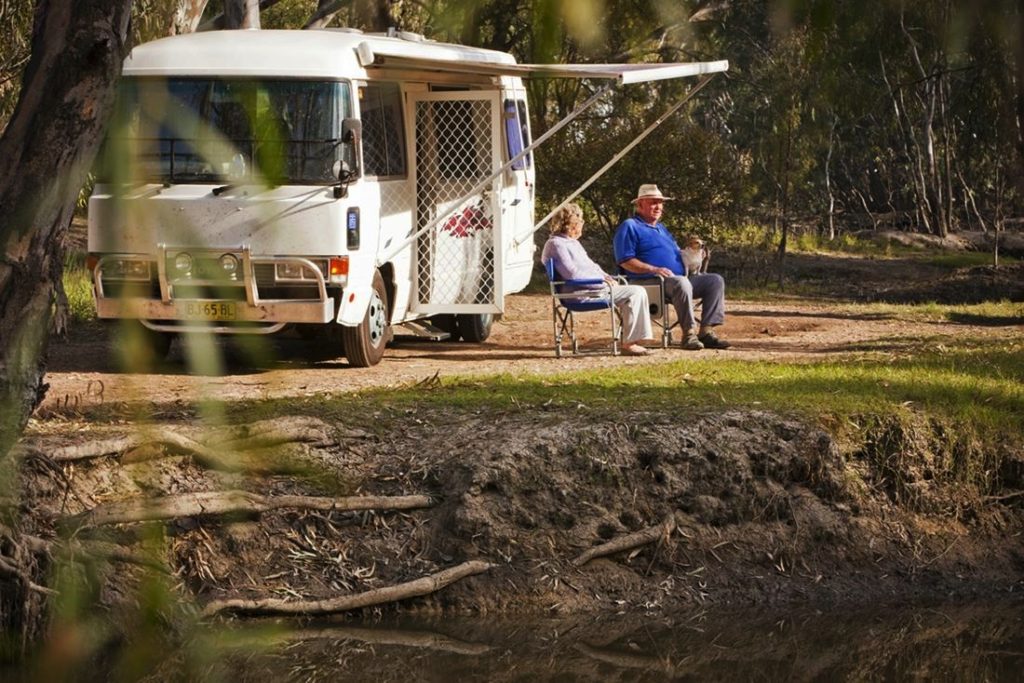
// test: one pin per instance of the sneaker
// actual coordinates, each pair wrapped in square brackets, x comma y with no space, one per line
[711,341]
[691,342]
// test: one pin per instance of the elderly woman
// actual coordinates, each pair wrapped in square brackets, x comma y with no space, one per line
[572,263]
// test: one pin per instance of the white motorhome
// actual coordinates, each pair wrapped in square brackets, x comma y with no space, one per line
[328,180]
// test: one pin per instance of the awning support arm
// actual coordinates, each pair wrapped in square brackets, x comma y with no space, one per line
[508,164]
[519,239]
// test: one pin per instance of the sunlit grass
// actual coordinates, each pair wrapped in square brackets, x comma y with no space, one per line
[977,386]
[78,288]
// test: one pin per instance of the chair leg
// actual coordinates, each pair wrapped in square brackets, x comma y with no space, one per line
[572,334]
[616,329]
[555,320]
[666,323]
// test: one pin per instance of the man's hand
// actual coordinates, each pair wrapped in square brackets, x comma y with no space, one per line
[638,267]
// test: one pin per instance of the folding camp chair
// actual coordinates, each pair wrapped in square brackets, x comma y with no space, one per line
[565,304]
[661,311]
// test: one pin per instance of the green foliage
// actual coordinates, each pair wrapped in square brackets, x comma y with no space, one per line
[15,34]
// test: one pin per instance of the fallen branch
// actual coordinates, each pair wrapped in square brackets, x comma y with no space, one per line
[378,596]
[207,503]
[629,541]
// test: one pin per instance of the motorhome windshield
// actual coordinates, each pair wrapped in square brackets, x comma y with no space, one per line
[199,130]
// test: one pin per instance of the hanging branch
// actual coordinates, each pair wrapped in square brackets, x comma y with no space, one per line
[378,596]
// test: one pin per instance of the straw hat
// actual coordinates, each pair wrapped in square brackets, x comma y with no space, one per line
[650,191]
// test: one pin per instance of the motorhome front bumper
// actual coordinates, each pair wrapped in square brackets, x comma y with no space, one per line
[187,303]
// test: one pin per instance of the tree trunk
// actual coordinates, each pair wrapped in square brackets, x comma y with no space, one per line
[241,14]
[186,16]
[48,147]
[326,10]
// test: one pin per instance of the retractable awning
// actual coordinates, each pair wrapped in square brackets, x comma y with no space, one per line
[623,74]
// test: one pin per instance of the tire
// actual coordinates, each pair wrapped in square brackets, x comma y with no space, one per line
[446,322]
[140,349]
[364,344]
[475,327]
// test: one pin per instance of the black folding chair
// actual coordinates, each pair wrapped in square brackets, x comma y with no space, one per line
[661,311]
[569,297]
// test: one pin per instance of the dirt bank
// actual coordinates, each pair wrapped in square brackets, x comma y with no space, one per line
[754,508]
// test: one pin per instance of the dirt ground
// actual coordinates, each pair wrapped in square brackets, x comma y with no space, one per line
[83,371]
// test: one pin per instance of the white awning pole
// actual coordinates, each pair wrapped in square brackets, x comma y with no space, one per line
[519,239]
[483,184]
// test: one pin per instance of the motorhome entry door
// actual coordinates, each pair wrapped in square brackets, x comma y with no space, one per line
[456,141]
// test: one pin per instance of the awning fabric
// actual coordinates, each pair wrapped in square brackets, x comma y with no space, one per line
[622,73]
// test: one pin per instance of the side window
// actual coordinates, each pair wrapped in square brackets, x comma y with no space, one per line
[517,132]
[383,130]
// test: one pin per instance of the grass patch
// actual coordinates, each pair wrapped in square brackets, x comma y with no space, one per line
[78,288]
[977,387]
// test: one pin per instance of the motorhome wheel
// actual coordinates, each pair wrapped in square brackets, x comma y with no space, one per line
[446,322]
[475,327]
[364,344]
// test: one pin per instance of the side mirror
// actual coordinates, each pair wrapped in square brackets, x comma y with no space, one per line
[352,131]
[351,134]
[343,172]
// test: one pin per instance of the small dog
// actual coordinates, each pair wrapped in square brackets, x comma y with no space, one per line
[695,256]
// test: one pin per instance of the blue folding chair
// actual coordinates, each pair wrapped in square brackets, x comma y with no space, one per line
[567,300]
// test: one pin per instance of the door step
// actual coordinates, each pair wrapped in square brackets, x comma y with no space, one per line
[419,329]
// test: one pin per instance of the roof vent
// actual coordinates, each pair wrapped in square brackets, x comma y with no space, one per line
[405,35]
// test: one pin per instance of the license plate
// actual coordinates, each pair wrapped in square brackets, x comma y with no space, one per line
[206,310]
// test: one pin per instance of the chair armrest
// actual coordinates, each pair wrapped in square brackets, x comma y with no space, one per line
[587,281]
[643,276]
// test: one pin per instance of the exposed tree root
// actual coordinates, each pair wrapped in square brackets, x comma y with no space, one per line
[230,502]
[378,596]
[9,569]
[629,541]
[209,446]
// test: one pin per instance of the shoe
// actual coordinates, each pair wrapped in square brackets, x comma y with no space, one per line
[691,342]
[712,341]
[635,350]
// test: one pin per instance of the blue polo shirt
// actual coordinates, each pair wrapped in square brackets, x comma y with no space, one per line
[652,244]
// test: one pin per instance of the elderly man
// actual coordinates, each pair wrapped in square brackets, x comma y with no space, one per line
[643,246]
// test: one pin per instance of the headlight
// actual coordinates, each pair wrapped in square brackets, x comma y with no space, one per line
[125,269]
[229,264]
[294,271]
[183,262]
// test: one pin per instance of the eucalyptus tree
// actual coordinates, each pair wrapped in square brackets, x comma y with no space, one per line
[66,95]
